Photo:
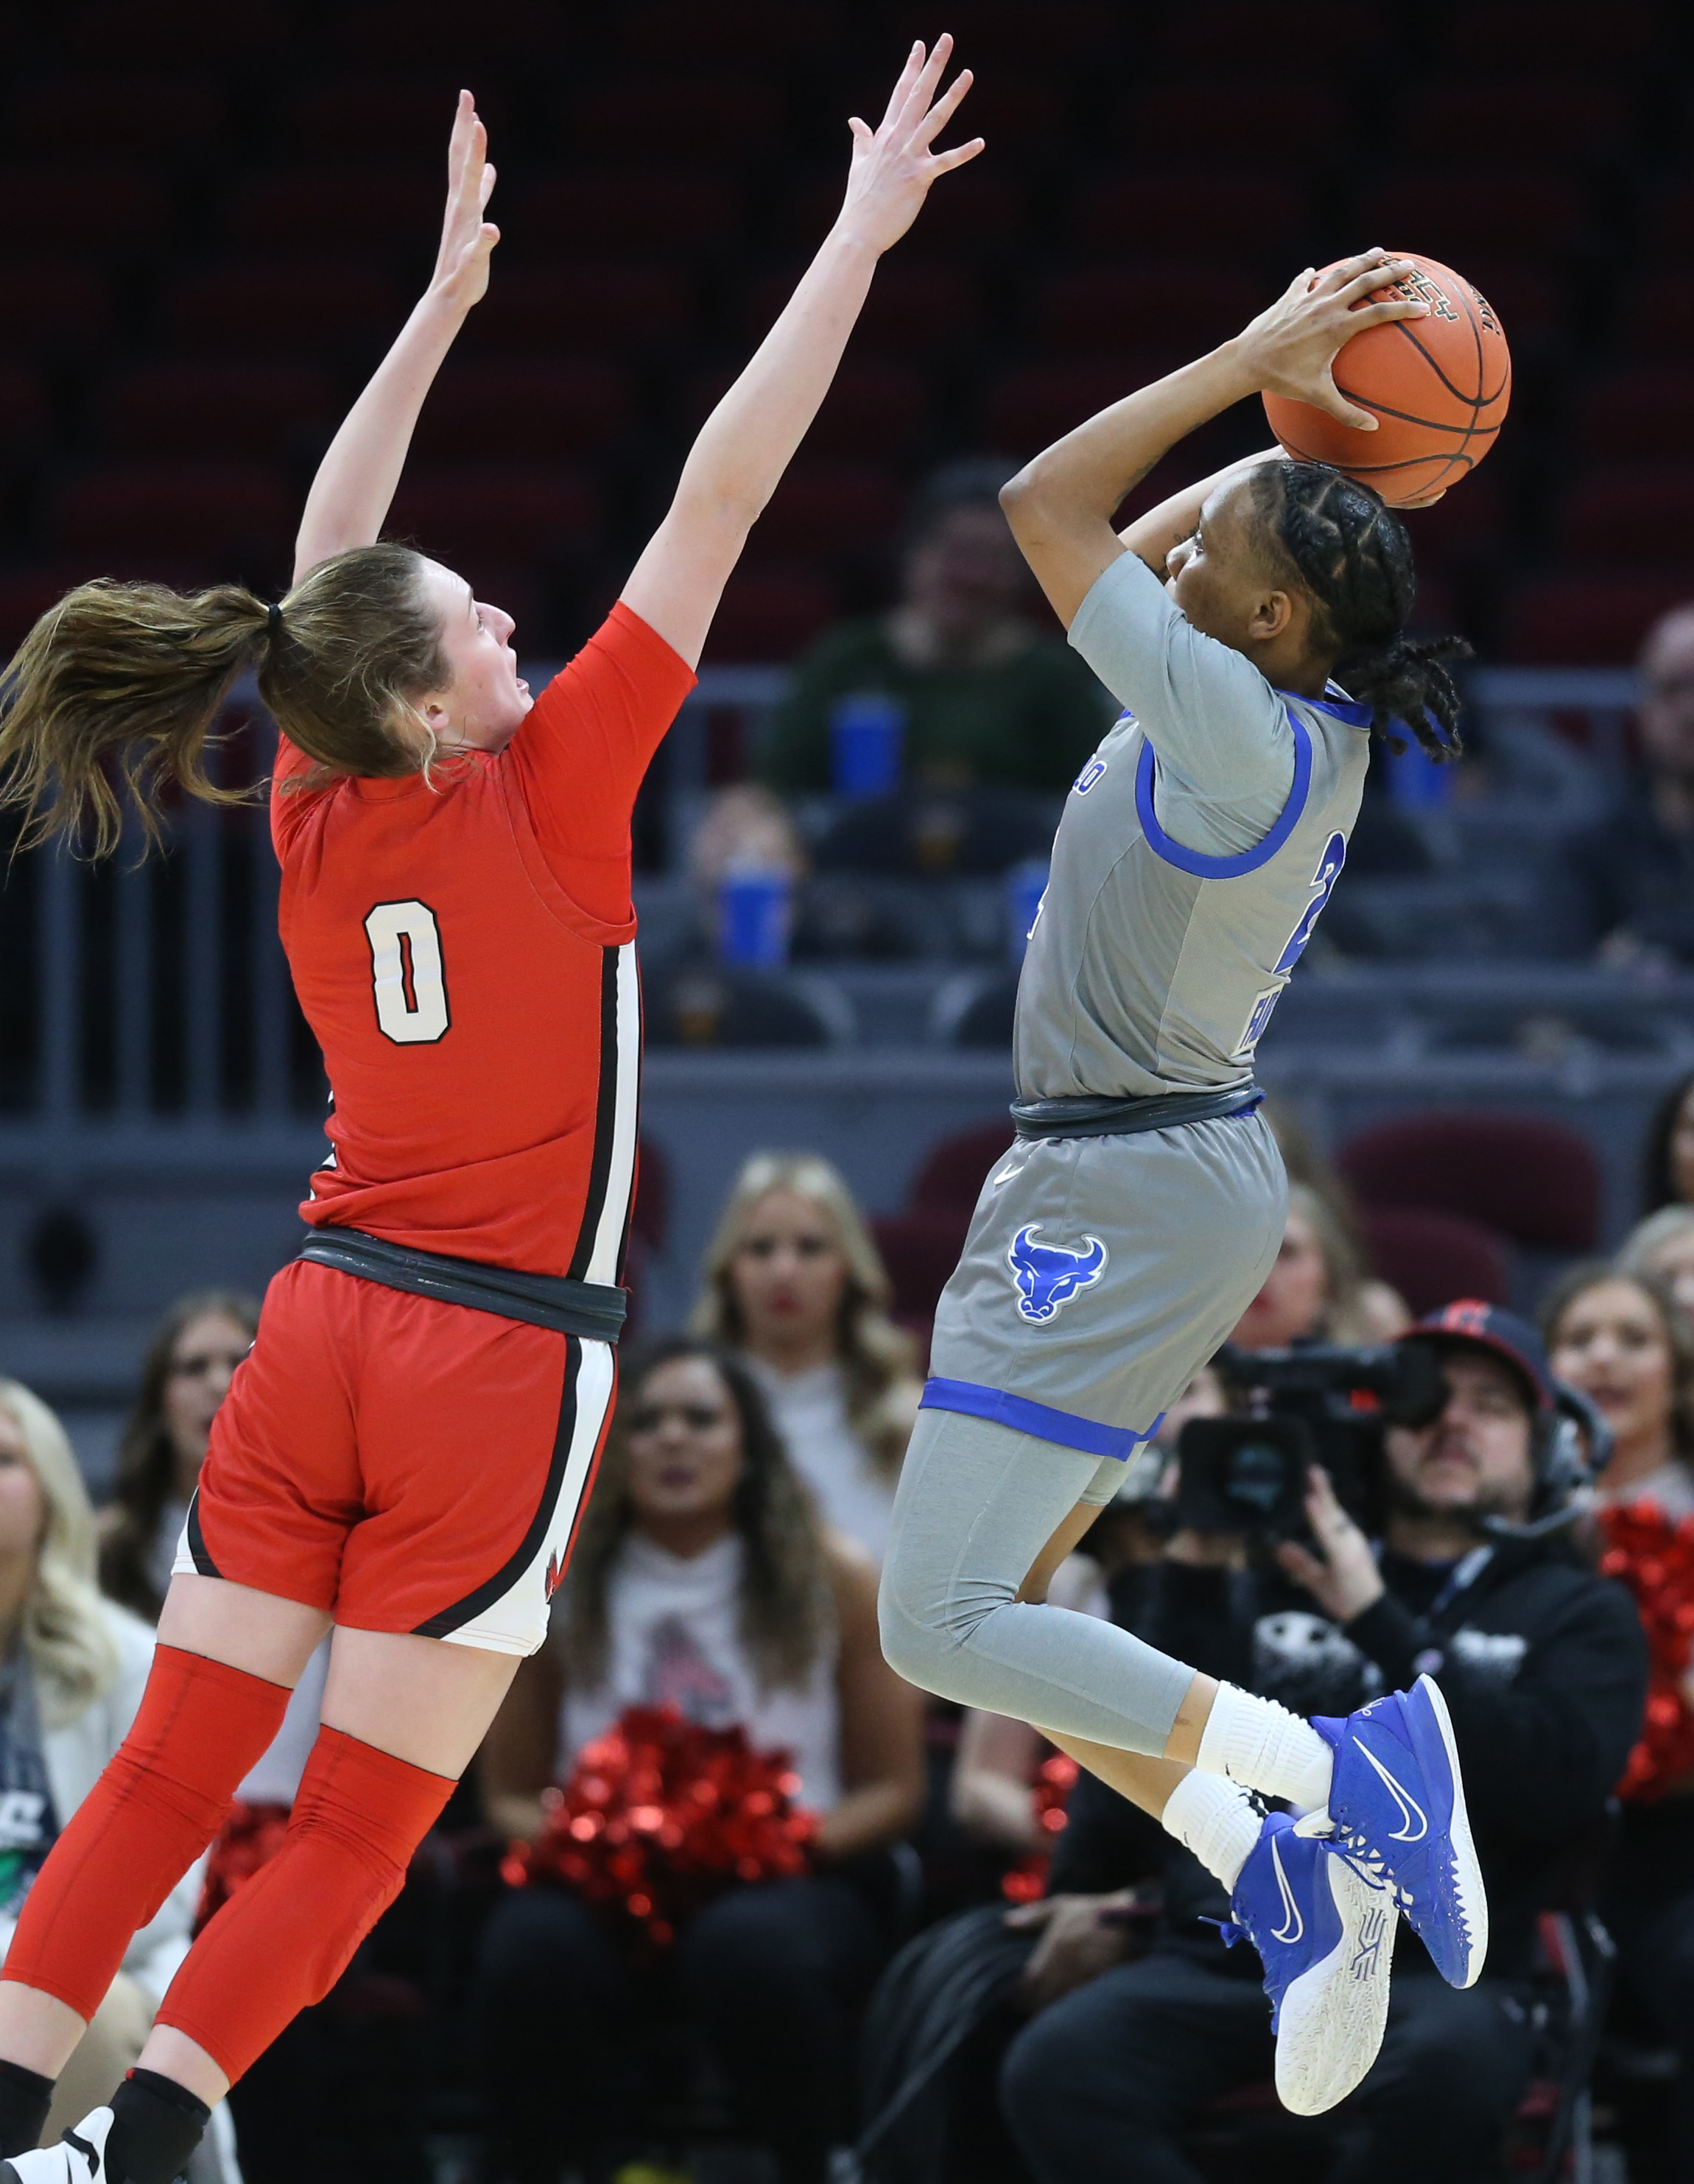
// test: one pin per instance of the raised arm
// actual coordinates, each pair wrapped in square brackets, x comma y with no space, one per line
[748,440]
[1061,506]
[350,496]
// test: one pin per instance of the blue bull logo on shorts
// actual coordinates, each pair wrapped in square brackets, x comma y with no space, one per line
[1049,1275]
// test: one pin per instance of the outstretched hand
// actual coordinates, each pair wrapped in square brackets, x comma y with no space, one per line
[893,164]
[1342,1576]
[1290,348]
[467,240]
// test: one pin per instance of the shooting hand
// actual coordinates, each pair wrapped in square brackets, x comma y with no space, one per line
[1343,1577]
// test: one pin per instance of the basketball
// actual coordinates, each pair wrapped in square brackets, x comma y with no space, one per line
[1440,386]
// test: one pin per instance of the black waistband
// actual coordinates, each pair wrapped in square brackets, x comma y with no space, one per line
[594,1309]
[1092,1118]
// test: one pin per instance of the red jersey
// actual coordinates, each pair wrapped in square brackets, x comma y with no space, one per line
[463,948]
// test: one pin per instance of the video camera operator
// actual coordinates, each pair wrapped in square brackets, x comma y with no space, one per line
[1475,1581]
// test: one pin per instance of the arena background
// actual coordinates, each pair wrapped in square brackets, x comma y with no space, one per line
[217,217]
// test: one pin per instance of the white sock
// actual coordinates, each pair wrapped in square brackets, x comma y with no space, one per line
[1258,1742]
[1215,1820]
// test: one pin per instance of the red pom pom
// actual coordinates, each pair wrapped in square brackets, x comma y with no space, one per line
[1654,1557]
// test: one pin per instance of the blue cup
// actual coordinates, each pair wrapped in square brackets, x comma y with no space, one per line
[867,744]
[755,919]
[1025,885]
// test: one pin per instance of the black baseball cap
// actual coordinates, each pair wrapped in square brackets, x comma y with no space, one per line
[1491,1327]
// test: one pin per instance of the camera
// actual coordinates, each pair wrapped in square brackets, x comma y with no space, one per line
[1314,1403]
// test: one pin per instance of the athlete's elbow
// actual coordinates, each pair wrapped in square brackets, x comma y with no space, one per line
[1019,497]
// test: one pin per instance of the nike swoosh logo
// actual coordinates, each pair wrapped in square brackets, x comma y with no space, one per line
[1414,1824]
[1293,1926]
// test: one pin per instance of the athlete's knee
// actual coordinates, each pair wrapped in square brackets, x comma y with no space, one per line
[927,1627]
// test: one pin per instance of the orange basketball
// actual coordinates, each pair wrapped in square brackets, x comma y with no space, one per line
[1440,386]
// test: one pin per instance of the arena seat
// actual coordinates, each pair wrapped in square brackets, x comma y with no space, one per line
[955,1168]
[302,304]
[148,116]
[1255,215]
[1034,406]
[432,33]
[1596,620]
[228,514]
[728,121]
[1458,213]
[1459,525]
[687,34]
[1134,302]
[397,119]
[24,407]
[591,305]
[1638,511]
[475,514]
[876,409]
[770,614]
[1167,121]
[70,305]
[1517,124]
[920,1251]
[1529,298]
[91,208]
[979,211]
[1637,413]
[512,406]
[1510,34]
[352,206]
[824,508]
[917,303]
[1668,230]
[1534,1180]
[708,1005]
[246,405]
[1431,1258]
[1658,316]
[650,211]
[1014,114]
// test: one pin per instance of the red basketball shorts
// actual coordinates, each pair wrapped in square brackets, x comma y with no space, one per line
[407,1465]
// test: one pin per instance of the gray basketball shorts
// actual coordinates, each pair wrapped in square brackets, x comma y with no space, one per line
[1101,1273]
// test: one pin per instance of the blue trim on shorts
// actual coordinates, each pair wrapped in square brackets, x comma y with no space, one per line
[1022,1416]
[1225,868]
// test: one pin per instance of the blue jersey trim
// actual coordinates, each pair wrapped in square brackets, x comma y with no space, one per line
[1225,868]
[1343,708]
[1022,1416]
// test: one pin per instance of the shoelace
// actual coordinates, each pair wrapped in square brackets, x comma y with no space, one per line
[1351,1845]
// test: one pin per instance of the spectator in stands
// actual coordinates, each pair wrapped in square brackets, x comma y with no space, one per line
[985,697]
[1668,1165]
[1663,1244]
[1632,877]
[1622,1341]
[794,1283]
[72,1670]
[704,1579]
[1318,1291]
[1542,1665]
[185,1376]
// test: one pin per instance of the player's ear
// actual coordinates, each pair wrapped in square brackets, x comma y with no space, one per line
[1273,612]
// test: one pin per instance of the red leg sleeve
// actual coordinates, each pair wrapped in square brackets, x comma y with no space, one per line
[200,1726]
[286,1936]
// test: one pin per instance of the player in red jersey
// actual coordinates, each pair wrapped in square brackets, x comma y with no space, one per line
[404,1452]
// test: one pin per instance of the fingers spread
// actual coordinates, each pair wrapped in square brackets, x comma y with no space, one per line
[908,76]
[943,163]
[933,123]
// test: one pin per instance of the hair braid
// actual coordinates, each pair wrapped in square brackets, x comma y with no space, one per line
[1350,551]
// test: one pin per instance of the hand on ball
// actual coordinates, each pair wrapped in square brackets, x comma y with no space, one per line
[1290,349]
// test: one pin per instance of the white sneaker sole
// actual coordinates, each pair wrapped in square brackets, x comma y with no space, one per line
[1332,2018]
[1468,1883]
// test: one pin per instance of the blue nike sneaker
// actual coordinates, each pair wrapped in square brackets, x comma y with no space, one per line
[1324,1931]
[1397,1804]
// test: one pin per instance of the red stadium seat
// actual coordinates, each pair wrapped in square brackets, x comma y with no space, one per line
[1529,1178]
[1457,215]
[1248,215]
[382,117]
[514,407]
[351,207]
[88,208]
[1461,524]
[1434,1259]
[1031,408]
[978,210]
[122,115]
[724,120]
[67,304]
[1071,31]
[1590,621]
[126,514]
[1012,114]
[1658,313]
[1640,413]
[482,514]
[1234,121]
[22,405]
[195,34]
[440,33]
[588,304]
[822,509]
[955,1168]
[914,305]
[206,405]
[1517,124]
[1670,226]
[920,1251]
[1511,35]
[1230,39]
[1633,512]
[286,304]
[25,597]
[1528,298]
[652,211]
[875,409]
[770,615]
[686,34]
[1137,303]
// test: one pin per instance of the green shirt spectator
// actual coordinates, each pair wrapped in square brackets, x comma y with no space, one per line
[986,699]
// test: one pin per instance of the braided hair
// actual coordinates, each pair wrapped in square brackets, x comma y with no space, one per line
[1350,553]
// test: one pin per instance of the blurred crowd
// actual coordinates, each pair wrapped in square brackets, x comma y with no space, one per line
[723,1898]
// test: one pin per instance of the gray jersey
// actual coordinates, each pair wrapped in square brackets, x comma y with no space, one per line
[1196,850]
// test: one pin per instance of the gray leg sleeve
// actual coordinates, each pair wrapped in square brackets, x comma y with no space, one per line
[976,1504]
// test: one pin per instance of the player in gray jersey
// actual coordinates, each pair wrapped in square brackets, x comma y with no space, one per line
[1253,627]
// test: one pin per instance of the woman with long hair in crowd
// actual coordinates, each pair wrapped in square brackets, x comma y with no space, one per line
[1667,1158]
[72,1667]
[1663,1247]
[705,1581]
[1317,1290]
[403,1455]
[1622,1339]
[793,1281]
[184,1377]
